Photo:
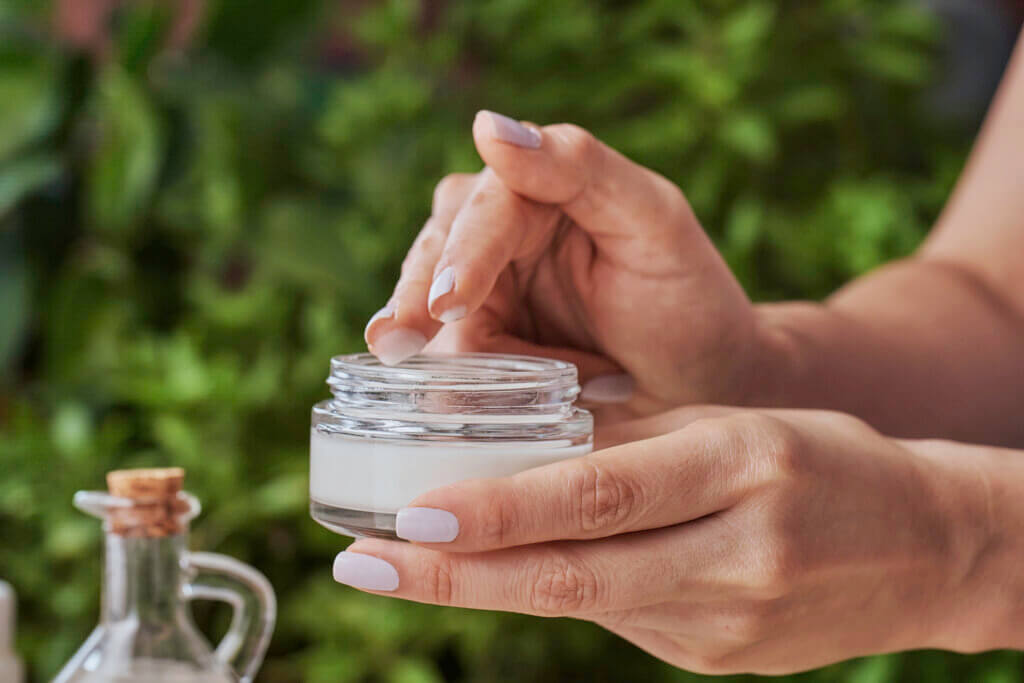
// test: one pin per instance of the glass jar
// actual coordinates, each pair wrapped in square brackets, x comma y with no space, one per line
[146,633]
[393,433]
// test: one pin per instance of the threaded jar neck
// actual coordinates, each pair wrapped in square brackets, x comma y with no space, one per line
[472,398]
[472,387]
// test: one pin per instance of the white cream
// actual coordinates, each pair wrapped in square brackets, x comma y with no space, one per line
[376,475]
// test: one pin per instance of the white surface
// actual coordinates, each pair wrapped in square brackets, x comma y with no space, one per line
[380,476]
[10,665]
[10,670]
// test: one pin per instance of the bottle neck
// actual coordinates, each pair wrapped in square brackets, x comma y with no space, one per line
[142,577]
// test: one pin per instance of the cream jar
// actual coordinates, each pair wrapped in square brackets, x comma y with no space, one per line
[393,433]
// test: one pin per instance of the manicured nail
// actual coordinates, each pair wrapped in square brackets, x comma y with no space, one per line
[608,389]
[442,284]
[511,131]
[427,525]
[452,314]
[365,571]
[395,346]
[385,312]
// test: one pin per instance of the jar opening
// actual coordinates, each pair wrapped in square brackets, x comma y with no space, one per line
[490,390]
[473,384]
[453,372]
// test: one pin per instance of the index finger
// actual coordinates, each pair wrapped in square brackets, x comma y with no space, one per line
[639,220]
[657,482]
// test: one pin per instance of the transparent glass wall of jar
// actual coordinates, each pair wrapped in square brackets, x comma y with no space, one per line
[390,434]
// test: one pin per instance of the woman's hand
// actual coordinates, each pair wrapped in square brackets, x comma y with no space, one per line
[562,247]
[762,542]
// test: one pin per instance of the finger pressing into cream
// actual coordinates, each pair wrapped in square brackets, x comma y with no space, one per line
[493,227]
[402,328]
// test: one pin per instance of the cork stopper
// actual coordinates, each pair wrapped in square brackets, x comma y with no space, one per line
[158,510]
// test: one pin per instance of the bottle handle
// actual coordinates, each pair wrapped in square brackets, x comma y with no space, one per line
[225,579]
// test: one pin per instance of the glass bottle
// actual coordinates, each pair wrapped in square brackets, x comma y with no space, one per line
[11,670]
[390,434]
[146,632]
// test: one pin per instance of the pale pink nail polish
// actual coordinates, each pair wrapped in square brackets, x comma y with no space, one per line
[442,284]
[608,389]
[511,131]
[396,345]
[452,314]
[426,525]
[386,312]
[365,571]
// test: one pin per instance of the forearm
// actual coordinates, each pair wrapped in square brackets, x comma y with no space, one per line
[978,492]
[933,345]
[920,348]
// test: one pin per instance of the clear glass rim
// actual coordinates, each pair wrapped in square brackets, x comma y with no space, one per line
[477,372]
[482,396]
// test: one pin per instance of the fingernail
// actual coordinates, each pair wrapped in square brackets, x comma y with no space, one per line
[427,525]
[385,312]
[511,131]
[608,389]
[452,314]
[365,571]
[395,346]
[442,284]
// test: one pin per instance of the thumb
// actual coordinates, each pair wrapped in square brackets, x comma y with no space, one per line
[605,193]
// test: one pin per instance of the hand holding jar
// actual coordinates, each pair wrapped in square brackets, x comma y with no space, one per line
[725,539]
[736,542]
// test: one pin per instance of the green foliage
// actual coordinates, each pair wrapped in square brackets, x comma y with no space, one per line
[186,239]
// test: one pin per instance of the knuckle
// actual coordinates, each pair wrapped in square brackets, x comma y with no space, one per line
[774,568]
[843,421]
[489,195]
[603,500]
[671,198]
[579,143]
[775,447]
[559,585]
[450,189]
[427,246]
[499,522]
[438,582]
[750,624]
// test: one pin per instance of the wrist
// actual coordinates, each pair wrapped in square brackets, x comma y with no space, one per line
[783,359]
[979,587]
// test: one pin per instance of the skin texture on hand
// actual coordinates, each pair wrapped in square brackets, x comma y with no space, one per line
[564,248]
[763,542]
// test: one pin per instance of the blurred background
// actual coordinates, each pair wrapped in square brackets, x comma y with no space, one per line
[202,201]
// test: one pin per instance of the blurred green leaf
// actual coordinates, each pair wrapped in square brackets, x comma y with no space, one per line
[127,154]
[875,670]
[29,106]
[748,25]
[15,297]
[750,135]
[26,175]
